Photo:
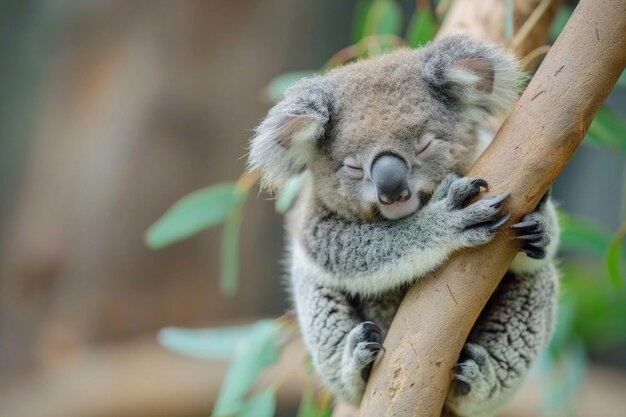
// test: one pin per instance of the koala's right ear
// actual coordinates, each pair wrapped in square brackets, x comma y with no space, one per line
[284,142]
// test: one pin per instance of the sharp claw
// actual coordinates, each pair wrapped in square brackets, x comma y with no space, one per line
[497,200]
[528,225]
[372,332]
[462,387]
[499,222]
[371,326]
[373,346]
[365,372]
[534,253]
[481,183]
[536,237]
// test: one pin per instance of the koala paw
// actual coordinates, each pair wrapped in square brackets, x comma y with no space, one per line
[533,235]
[364,343]
[476,223]
[475,383]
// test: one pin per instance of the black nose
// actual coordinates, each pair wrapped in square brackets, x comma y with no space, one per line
[389,174]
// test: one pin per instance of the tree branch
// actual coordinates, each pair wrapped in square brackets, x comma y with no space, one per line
[530,150]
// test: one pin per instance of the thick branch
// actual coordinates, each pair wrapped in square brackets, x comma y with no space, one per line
[530,150]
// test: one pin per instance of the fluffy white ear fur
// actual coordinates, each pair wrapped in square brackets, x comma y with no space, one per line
[285,140]
[480,76]
[283,150]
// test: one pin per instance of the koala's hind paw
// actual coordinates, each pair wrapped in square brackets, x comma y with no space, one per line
[364,343]
[475,381]
[533,235]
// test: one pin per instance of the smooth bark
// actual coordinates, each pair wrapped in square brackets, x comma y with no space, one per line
[530,150]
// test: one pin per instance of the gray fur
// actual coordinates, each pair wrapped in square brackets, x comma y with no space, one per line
[352,258]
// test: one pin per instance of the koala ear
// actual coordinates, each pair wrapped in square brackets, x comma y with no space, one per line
[284,142]
[474,74]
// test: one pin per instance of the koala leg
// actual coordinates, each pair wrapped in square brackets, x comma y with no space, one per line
[342,345]
[515,325]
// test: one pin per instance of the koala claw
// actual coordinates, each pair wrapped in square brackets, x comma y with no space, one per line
[374,348]
[473,374]
[499,222]
[372,331]
[472,190]
[533,235]
[367,344]
[497,200]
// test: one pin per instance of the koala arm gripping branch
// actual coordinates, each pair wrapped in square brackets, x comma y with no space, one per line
[369,258]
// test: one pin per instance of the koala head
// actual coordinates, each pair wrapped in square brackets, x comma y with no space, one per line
[378,136]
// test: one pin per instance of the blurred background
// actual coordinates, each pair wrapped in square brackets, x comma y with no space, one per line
[113,110]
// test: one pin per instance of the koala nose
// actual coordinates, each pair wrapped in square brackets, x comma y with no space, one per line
[389,173]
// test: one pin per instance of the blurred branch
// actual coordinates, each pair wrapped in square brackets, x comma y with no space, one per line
[140,378]
[534,144]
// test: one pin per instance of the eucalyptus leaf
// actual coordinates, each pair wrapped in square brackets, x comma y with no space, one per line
[580,233]
[384,18]
[214,343]
[262,404]
[600,307]
[191,214]
[230,247]
[422,28]
[621,82]
[564,326]
[360,17]
[608,130]
[290,192]
[559,22]
[276,88]
[307,405]
[253,353]
[614,257]
[509,14]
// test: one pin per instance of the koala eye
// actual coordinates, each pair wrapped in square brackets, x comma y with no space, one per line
[352,168]
[424,144]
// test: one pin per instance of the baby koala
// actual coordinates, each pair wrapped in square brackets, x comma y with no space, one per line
[384,144]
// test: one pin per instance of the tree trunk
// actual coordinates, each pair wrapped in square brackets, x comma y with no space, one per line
[530,150]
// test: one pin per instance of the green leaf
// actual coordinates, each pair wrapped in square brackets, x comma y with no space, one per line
[360,16]
[289,193]
[216,343]
[384,18]
[422,28]
[614,257]
[600,307]
[230,246]
[564,325]
[621,82]
[262,404]
[509,14]
[559,22]
[307,405]
[255,352]
[608,130]
[580,233]
[276,88]
[191,214]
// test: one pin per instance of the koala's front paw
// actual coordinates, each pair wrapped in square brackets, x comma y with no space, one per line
[475,382]
[533,235]
[476,223]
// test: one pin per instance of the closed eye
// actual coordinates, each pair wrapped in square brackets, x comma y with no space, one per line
[423,147]
[352,168]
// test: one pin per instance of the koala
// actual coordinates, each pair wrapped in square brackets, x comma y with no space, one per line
[384,144]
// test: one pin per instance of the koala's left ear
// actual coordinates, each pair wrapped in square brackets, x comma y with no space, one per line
[472,73]
[285,140]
